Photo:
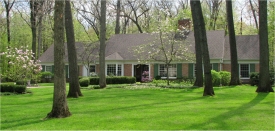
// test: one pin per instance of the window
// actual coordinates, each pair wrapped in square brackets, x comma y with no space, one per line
[244,70]
[114,69]
[172,71]
[48,68]
[92,68]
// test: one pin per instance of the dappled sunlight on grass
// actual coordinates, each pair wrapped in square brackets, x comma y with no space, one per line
[143,107]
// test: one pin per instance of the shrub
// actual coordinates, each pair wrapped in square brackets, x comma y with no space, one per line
[46,74]
[19,89]
[225,77]
[21,82]
[114,80]
[254,78]
[13,88]
[216,78]
[84,82]
[94,80]
[7,88]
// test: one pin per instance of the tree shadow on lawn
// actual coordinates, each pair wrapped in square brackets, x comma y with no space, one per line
[7,124]
[220,120]
[138,106]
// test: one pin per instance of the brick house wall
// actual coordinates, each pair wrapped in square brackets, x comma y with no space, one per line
[97,69]
[184,70]
[127,69]
[226,67]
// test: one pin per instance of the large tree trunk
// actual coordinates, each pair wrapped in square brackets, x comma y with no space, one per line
[33,6]
[199,72]
[264,83]
[117,30]
[235,80]
[60,108]
[74,88]
[102,77]
[208,89]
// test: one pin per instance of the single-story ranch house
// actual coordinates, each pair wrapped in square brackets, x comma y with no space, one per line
[120,60]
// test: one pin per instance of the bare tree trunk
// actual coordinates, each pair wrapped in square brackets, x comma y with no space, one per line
[264,83]
[102,77]
[254,14]
[117,30]
[8,6]
[196,9]
[233,49]
[74,88]
[60,107]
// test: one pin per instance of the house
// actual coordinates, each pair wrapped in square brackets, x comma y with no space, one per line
[120,60]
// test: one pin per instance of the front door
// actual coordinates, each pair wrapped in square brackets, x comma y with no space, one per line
[138,70]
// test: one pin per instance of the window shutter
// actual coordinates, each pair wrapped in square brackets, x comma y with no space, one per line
[215,66]
[53,69]
[252,68]
[179,70]
[156,70]
[43,68]
[191,70]
[67,71]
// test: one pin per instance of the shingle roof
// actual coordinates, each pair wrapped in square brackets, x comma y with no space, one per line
[48,55]
[118,47]
[215,41]
[247,47]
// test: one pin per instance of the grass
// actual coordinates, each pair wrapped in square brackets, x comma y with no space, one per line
[139,107]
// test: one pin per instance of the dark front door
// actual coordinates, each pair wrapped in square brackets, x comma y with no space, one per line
[138,70]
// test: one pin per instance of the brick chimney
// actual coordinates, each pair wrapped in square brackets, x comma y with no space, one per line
[184,23]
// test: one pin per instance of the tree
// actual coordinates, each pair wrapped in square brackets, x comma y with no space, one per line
[89,54]
[21,65]
[254,14]
[60,107]
[214,7]
[233,48]
[264,78]
[198,20]
[198,49]
[166,46]
[138,8]
[117,30]
[102,76]
[74,88]
[8,6]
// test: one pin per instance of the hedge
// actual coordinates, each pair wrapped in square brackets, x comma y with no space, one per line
[84,82]
[13,88]
[254,78]
[114,80]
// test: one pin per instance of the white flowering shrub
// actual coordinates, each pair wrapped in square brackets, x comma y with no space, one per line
[21,65]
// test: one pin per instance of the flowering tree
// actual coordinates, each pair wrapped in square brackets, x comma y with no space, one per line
[21,65]
[168,45]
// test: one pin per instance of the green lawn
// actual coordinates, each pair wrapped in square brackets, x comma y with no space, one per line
[143,108]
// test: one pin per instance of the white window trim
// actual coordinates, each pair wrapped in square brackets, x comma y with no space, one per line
[133,69]
[122,68]
[240,70]
[170,77]
[48,66]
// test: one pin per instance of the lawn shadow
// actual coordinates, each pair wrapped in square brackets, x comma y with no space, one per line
[220,120]
[20,122]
